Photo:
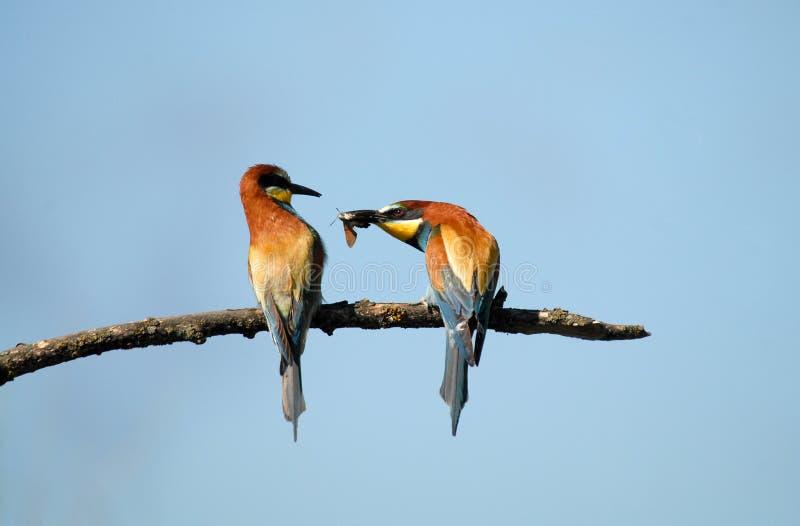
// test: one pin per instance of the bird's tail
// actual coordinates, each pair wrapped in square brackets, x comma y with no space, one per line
[454,384]
[293,402]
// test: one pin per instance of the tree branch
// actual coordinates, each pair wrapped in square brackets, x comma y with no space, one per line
[364,314]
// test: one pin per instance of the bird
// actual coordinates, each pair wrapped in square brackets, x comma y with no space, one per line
[463,262]
[285,263]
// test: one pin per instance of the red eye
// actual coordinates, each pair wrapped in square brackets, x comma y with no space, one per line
[397,212]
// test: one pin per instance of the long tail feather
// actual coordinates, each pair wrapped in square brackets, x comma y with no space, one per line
[293,402]
[454,389]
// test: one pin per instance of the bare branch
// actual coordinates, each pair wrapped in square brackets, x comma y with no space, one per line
[364,314]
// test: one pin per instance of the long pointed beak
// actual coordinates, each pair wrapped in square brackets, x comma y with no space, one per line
[303,190]
[362,218]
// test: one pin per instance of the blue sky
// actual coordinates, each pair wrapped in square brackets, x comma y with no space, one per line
[637,163]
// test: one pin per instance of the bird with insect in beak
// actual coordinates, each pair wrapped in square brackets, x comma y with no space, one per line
[284,263]
[463,261]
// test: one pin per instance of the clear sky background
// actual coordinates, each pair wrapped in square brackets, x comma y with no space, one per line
[638,163]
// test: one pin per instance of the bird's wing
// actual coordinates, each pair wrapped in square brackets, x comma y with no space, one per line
[456,303]
[485,299]
[278,328]
[464,269]
[307,294]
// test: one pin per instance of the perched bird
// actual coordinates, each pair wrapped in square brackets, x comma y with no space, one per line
[463,262]
[285,266]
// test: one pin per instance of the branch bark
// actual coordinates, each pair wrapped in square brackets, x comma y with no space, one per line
[364,314]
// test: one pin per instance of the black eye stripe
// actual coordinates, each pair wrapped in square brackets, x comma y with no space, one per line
[272,179]
[404,213]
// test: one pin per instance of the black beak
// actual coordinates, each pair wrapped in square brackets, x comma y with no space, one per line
[362,218]
[302,190]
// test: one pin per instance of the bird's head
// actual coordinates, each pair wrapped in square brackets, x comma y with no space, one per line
[404,220]
[274,181]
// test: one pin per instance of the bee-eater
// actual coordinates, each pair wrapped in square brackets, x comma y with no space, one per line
[463,261]
[285,266]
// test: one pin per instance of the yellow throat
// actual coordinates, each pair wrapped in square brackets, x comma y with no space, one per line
[281,194]
[402,230]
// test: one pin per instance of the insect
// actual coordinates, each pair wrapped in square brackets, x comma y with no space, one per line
[351,221]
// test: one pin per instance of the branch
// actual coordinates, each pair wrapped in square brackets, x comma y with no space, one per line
[364,314]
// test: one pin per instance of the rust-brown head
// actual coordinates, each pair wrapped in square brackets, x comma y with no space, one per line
[272,181]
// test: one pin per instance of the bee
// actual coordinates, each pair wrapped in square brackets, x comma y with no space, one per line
[350,221]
